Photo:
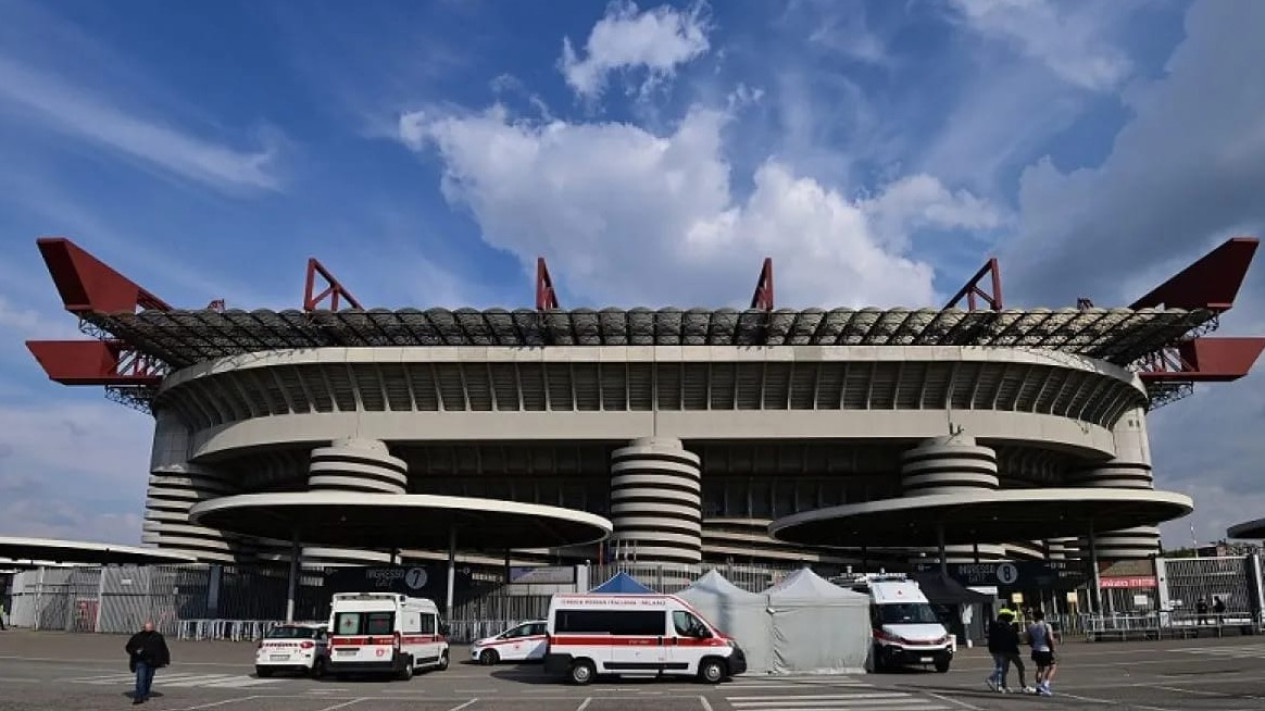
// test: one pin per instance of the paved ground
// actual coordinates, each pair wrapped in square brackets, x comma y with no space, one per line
[89,672]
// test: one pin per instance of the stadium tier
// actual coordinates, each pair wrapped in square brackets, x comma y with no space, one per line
[692,431]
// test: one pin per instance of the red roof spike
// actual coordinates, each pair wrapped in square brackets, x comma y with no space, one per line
[85,283]
[762,298]
[95,363]
[546,296]
[1212,282]
[1206,360]
[972,288]
[333,290]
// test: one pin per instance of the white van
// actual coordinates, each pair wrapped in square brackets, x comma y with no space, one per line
[906,627]
[636,635]
[385,632]
[522,643]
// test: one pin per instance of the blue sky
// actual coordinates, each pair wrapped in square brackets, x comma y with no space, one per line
[428,152]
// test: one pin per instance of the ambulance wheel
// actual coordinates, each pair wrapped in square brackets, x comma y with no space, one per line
[711,671]
[582,672]
[489,657]
[263,672]
[443,661]
[406,672]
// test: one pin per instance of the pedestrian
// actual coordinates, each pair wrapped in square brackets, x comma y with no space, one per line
[1010,653]
[1201,609]
[147,652]
[1218,610]
[1041,640]
[998,629]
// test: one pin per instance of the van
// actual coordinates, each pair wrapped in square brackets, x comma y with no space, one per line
[385,632]
[636,635]
[906,628]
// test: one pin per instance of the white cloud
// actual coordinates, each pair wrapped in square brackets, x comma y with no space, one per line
[626,39]
[73,470]
[622,213]
[78,112]
[1179,176]
[1066,38]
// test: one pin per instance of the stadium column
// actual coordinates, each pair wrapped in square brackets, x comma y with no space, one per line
[656,501]
[1130,469]
[175,485]
[950,465]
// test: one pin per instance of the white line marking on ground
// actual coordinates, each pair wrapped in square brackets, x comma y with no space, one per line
[219,703]
[1109,702]
[344,705]
[962,704]
[585,704]
[707,705]
[462,706]
[765,699]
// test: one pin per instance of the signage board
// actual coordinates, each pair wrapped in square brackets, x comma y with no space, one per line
[1136,581]
[542,575]
[1011,574]
[429,581]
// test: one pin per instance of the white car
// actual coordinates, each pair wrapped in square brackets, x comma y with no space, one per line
[526,642]
[293,647]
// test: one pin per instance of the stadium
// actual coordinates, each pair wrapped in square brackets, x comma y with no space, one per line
[694,432]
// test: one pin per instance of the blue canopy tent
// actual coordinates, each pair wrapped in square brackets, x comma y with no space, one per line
[622,583]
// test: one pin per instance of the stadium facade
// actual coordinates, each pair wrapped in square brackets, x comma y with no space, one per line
[691,430]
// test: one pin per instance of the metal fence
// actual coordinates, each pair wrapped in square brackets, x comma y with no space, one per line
[228,602]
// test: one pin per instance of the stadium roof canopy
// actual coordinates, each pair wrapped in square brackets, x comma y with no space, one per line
[139,338]
[181,337]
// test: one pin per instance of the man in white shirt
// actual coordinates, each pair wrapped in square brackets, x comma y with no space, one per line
[1041,640]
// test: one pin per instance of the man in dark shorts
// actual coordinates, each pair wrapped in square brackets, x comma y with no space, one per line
[1041,640]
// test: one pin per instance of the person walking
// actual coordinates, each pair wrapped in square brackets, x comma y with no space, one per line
[147,652]
[1041,640]
[1003,644]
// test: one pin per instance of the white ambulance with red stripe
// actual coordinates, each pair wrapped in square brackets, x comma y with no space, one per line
[636,635]
[385,633]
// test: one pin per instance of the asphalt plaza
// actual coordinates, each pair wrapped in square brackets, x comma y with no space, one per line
[63,671]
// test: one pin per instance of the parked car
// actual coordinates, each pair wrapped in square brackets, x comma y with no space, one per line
[293,647]
[523,643]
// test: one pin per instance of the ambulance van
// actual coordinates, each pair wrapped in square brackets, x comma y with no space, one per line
[907,630]
[385,633]
[636,635]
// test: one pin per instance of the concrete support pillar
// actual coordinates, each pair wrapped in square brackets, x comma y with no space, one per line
[354,464]
[1130,469]
[656,501]
[952,465]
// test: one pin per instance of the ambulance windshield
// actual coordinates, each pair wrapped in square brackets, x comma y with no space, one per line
[907,613]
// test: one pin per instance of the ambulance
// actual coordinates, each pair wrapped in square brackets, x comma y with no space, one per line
[906,628]
[636,635]
[522,643]
[385,633]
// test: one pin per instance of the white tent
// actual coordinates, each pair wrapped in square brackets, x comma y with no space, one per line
[817,627]
[738,613]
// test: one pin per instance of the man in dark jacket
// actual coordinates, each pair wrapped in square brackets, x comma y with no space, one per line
[1003,644]
[146,651]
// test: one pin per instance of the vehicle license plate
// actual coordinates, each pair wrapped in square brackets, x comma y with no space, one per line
[927,660]
[280,657]
[347,650]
